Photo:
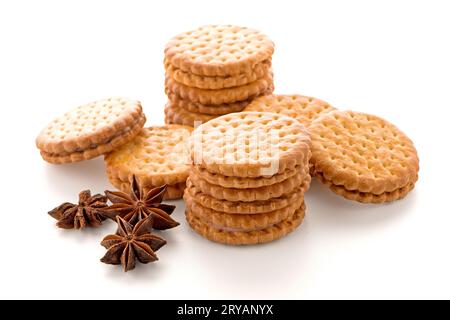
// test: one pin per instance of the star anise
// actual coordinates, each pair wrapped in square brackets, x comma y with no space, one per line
[139,205]
[131,243]
[85,213]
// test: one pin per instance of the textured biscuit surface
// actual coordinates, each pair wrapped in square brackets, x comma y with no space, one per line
[213,83]
[178,115]
[157,156]
[220,96]
[96,123]
[218,50]
[95,150]
[244,222]
[269,234]
[363,153]
[250,144]
[251,194]
[240,207]
[304,109]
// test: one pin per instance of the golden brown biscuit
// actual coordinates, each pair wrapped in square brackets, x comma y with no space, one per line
[304,109]
[91,130]
[217,50]
[96,149]
[363,153]
[250,144]
[157,156]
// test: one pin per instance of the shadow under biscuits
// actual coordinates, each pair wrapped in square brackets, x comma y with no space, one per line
[75,177]
[259,266]
[333,210]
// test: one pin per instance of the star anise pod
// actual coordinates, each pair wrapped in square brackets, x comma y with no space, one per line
[131,243]
[85,213]
[139,205]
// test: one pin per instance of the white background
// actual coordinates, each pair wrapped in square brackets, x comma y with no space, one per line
[390,58]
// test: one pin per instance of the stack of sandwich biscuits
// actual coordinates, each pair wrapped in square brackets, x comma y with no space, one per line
[249,175]
[215,70]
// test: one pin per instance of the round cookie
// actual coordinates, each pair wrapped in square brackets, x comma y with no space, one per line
[220,96]
[157,156]
[216,50]
[250,144]
[214,83]
[304,109]
[91,130]
[252,194]
[240,207]
[363,153]
[235,237]
[96,149]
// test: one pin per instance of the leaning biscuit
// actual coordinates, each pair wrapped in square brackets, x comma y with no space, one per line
[236,237]
[217,50]
[252,194]
[363,153]
[304,109]
[157,156]
[240,207]
[250,144]
[213,83]
[220,96]
[91,130]
[96,150]
[244,222]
